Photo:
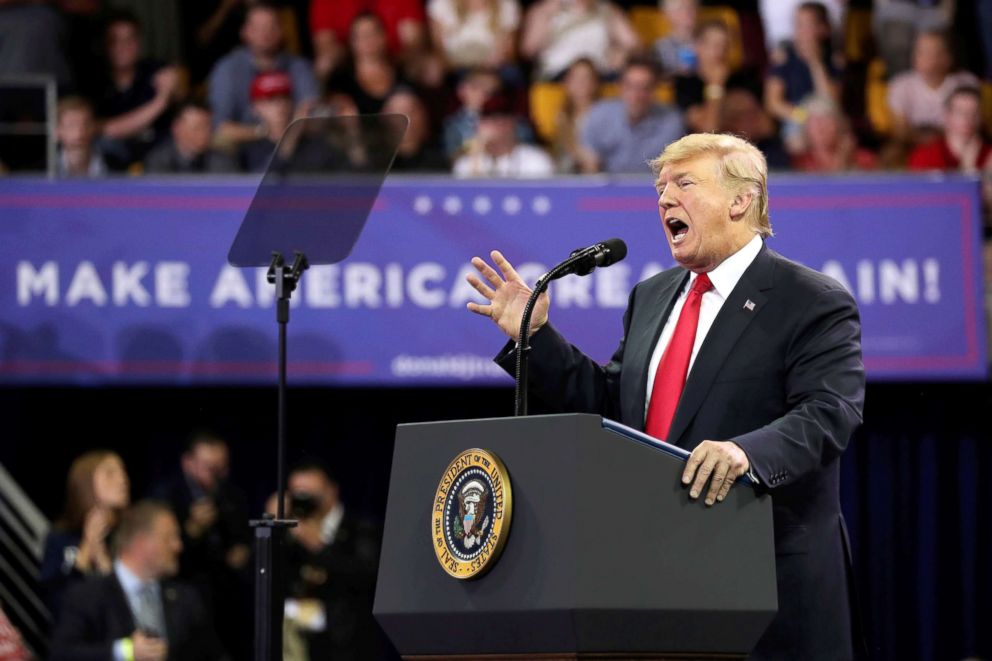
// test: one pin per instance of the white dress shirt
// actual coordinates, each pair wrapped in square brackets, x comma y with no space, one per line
[724,278]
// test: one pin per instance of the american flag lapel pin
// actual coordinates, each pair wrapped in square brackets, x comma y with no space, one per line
[749,305]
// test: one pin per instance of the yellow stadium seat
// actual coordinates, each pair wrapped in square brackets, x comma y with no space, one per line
[876,98]
[290,30]
[547,99]
[650,24]
[857,34]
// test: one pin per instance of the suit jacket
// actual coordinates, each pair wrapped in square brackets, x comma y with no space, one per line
[95,613]
[784,381]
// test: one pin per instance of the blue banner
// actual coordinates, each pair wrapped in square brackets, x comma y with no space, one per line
[126,282]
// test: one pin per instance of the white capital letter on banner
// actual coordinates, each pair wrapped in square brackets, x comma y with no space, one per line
[172,284]
[86,284]
[230,286]
[43,282]
[126,283]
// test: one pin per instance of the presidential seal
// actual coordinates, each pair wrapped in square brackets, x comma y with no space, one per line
[472,509]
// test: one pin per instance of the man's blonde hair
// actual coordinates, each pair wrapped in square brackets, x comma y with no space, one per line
[742,166]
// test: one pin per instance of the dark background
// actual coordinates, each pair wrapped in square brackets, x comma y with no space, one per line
[916,487]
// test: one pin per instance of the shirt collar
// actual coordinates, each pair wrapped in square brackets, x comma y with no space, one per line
[728,273]
[330,523]
[128,579]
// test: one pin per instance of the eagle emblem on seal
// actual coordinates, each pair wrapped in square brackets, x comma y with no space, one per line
[472,516]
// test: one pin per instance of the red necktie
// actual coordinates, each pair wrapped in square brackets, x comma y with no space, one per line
[669,380]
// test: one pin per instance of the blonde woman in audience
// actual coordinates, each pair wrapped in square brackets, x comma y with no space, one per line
[559,32]
[582,90]
[829,143]
[475,33]
[97,491]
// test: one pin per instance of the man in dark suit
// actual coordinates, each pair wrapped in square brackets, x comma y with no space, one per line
[748,359]
[136,613]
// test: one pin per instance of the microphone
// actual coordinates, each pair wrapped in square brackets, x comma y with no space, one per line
[584,260]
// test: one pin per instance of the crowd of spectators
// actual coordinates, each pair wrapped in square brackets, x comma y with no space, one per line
[631,76]
[170,576]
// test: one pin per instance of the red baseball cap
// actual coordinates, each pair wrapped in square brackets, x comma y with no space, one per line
[269,84]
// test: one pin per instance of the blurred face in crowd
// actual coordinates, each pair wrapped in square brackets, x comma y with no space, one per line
[963,117]
[155,551]
[681,15]
[368,38]
[823,131]
[694,205]
[111,486]
[713,46]
[276,112]
[581,82]
[123,44]
[498,133]
[406,103]
[476,88]
[262,32]
[810,27]
[314,483]
[637,91]
[76,129]
[206,464]
[192,131]
[743,115]
[930,57]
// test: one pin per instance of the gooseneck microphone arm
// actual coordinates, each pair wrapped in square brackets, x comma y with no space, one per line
[581,262]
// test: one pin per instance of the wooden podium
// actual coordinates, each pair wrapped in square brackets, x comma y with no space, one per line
[606,556]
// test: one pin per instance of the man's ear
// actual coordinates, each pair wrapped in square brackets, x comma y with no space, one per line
[740,204]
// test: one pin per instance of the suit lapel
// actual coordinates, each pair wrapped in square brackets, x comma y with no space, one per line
[120,611]
[644,337]
[169,610]
[733,318]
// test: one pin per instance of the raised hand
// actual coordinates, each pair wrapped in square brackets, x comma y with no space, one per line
[507,296]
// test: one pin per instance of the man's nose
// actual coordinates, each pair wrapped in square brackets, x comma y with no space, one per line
[667,199]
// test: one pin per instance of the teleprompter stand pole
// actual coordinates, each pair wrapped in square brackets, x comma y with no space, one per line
[270,533]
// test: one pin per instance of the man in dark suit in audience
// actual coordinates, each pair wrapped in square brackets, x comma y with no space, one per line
[137,613]
[749,360]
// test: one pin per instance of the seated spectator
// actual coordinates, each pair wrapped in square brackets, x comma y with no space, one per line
[473,90]
[417,151]
[137,611]
[476,33]
[622,134]
[272,101]
[556,33]
[777,18]
[231,78]
[743,114]
[962,146]
[917,97]
[699,94]
[370,75]
[829,143]
[898,23]
[215,534]
[76,130]
[495,150]
[581,93]
[675,50]
[330,23]
[801,68]
[135,97]
[96,492]
[188,151]
[332,561]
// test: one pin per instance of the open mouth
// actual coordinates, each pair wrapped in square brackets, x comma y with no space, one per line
[678,229]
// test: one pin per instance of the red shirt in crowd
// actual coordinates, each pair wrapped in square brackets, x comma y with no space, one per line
[937,155]
[337,15]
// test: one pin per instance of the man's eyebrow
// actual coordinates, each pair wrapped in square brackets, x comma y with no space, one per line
[677,175]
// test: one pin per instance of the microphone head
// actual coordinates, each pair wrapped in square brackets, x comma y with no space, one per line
[616,250]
